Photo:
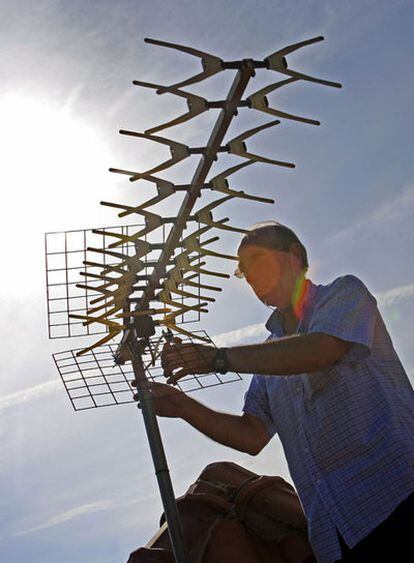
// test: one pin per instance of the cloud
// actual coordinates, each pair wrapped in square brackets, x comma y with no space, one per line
[393,210]
[395,295]
[30,394]
[241,335]
[86,509]
[69,515]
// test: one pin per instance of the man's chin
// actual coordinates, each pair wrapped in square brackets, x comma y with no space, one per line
[271,300]
[267,299]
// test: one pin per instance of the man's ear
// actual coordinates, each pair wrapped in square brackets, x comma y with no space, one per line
[296,251]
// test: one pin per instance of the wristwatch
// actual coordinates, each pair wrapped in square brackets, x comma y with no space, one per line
[220,361]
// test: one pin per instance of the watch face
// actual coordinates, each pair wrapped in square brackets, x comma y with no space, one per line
[220,363]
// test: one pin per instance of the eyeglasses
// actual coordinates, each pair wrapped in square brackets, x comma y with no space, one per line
[238,273]
[243,268]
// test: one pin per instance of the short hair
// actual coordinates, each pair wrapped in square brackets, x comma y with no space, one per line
[274,235]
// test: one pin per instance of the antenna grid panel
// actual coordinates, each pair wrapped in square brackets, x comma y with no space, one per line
[95,380]
[69,255]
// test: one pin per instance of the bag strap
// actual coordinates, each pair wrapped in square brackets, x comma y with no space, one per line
[217,503]
[245,493]
[281,504]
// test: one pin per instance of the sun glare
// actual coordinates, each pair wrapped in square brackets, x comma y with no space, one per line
[54,169]
[53,163]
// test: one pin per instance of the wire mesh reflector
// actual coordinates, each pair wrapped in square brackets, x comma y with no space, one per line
[65,254]
[95,380]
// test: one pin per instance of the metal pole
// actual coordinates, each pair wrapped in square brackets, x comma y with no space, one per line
[158,456]
[151,425]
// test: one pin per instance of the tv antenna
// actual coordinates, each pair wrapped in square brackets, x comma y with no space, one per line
[142,283]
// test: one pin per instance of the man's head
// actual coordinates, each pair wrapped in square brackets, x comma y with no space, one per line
[272,259]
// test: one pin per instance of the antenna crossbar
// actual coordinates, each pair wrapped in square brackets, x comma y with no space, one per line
[213,145]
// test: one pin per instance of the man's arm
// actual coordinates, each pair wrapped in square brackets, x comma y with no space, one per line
[245,432]
[290,355]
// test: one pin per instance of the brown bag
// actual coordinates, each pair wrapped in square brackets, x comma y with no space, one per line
[233,515]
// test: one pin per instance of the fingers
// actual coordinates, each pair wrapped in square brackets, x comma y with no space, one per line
[158,389]
[169,355]
[193,358]
[163,397]
[179,360]
[171,344]
[172,356]
[173,378]
[154,390]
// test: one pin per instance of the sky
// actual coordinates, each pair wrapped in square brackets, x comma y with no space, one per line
[80,486]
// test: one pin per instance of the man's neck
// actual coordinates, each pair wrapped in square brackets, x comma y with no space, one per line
[290,320]
[292,314]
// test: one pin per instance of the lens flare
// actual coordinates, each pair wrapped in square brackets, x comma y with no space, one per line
[300,296]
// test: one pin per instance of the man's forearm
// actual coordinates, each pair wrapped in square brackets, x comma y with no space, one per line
[227,429]
[284,356]
[299,353]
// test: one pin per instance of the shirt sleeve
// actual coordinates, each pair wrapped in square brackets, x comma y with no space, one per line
[349,312]
[256,402]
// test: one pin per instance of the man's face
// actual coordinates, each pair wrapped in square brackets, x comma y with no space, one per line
[269,273]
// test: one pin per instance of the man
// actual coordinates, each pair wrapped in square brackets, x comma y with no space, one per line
[330,383]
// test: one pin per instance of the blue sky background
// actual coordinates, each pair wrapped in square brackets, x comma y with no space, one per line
[80,486]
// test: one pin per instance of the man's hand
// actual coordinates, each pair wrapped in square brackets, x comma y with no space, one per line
[186,359]
[245,433]
[167,400]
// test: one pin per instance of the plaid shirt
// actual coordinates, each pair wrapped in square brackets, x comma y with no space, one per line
[347,430]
